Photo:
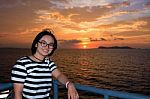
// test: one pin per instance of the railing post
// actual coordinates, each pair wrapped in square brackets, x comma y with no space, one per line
[55,88]
[106,97]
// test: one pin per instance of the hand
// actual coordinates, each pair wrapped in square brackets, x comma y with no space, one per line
[72,92]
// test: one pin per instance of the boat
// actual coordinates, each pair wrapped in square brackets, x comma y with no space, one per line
[7,87]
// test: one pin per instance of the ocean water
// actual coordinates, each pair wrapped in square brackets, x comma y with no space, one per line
[116,69]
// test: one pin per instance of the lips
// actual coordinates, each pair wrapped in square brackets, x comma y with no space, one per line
[46,51]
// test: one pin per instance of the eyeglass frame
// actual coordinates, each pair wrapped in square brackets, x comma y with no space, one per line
[50,45]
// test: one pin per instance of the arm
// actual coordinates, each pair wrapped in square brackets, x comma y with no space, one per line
[59,76]
[18,87]
[72,93]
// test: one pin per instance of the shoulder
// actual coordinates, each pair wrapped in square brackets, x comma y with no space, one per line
[23,59]
[18,72]
[51,64]
[21,62]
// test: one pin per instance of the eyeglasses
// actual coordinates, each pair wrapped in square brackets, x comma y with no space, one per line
[44,44]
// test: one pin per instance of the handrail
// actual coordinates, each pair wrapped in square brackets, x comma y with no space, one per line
[105,92]
[5,86]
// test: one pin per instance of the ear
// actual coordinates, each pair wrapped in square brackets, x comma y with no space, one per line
[36,45]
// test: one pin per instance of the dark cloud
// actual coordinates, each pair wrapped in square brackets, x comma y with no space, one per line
[97,39]
[147,5]
[104,39]
[118,38]
[70,41]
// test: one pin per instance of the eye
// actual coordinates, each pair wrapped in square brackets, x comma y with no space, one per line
[51,44]
[44,43]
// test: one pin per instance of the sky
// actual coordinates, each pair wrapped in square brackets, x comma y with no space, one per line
[76,23]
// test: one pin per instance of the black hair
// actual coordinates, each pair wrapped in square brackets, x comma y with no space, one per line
[39,36]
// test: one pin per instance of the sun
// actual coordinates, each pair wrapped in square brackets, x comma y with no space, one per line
[84,46]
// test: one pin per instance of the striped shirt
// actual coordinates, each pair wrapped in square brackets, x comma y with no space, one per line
[36,77]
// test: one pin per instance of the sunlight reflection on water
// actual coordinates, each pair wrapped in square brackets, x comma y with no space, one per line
[112,69]
[126,69]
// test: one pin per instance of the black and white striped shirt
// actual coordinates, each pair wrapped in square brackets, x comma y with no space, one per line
[36,77]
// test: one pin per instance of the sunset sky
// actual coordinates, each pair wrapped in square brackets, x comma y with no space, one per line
[76,23]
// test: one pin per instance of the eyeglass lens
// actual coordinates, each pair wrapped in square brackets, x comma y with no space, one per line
[44,44]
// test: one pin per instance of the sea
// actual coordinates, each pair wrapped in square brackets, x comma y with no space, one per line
[126,70]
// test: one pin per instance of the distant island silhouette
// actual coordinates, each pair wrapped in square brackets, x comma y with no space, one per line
[115,47]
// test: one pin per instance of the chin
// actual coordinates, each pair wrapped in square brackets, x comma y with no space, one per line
[46,53]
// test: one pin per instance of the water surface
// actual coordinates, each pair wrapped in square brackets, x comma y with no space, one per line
[117,69]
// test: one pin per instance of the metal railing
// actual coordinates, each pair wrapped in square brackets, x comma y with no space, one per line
[106,93]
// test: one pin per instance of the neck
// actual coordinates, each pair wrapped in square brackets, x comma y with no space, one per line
[37,58]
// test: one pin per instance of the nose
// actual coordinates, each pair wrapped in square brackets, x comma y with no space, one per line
[47,46]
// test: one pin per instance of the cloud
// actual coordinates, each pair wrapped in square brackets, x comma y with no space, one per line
[70,41]
[75,19]
[132,5]
[69,4]
[105,39]
[118,38]
[124,11]
[136,25]
[147,5]
[9,3]
[96,39]
[81,19]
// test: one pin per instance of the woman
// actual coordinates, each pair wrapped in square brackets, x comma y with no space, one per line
[32,75]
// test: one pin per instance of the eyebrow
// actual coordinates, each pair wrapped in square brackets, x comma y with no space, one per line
[46,42]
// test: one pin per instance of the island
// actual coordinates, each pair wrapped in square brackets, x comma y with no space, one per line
[115,47]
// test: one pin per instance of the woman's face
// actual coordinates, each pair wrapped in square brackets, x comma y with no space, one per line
[45,45]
